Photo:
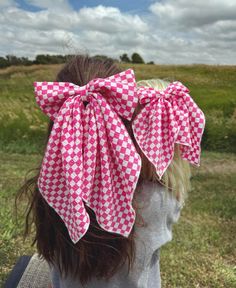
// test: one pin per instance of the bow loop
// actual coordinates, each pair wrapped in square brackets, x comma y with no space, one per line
[119,91]
[176,88]
[147,94]
[156,130]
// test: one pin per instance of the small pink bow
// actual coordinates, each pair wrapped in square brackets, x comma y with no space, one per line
[169,116]
[90,157]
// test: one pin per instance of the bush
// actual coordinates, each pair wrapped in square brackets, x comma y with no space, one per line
[220,132]
[18,136]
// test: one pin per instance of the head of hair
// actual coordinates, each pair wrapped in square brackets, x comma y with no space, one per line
[85,259]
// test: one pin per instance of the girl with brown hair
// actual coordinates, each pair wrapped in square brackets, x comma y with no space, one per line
[114,175]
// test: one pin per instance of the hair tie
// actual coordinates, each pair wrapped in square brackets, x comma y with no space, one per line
[90,157]
[170,116]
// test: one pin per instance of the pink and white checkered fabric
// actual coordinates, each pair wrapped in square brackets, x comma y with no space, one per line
[90,157]
[169,116]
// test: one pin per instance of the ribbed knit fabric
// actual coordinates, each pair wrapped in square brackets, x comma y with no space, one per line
[159,211]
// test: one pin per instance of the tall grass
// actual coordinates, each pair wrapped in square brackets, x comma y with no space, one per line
[203,251]
[22,124]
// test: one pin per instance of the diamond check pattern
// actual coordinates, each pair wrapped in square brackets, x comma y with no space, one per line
[90,157]
[170,116]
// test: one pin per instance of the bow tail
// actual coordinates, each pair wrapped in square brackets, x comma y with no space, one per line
[155,130]
[103,184]
[195,128]
[90,152]
[117,161]
[71,207]
[181,114]
[51,181]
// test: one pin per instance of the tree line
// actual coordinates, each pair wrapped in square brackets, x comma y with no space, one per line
[12,60]
[135,58]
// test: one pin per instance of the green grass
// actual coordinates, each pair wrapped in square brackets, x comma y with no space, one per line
[203,250]
[12,171]
[22,124]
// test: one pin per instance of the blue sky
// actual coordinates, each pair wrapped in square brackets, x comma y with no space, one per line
[140,6]
[25,6]
[166,31]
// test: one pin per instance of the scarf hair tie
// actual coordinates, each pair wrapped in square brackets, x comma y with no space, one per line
[170,116]
[90,157]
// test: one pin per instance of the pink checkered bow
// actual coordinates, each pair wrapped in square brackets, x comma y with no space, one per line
[90,157]
[169,116]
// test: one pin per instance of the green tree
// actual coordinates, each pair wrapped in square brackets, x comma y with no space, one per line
[136,58]
[25,61]
[3,62]
[42,59]
[13,60]
[125,58]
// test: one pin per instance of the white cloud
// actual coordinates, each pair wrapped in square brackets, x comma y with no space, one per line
[197,31]
[42,20]
[175,31]
[6,3]
[110,20]
[185,14]
[63,29]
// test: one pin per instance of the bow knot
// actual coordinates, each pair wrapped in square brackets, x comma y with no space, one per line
[86,93]
[162,95]
[175,89]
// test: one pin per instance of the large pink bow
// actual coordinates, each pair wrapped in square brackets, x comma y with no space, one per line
[169,116]
[90,156]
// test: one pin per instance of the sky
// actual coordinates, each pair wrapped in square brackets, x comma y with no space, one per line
[164,31]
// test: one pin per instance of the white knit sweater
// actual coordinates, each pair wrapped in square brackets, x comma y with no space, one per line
[159,210]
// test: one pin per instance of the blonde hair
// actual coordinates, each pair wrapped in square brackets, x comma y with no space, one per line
[177,176]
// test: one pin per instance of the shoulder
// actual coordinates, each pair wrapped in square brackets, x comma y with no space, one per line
[152,194]
[159,211]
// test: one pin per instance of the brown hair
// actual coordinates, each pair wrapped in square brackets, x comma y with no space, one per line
[84,259]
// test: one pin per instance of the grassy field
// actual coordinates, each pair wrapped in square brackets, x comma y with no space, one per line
[22,125]
[203,250]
